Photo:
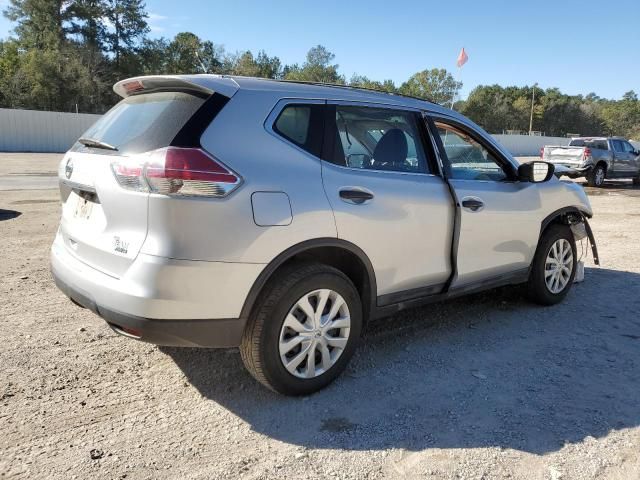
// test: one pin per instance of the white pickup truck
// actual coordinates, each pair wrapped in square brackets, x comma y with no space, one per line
[596,158]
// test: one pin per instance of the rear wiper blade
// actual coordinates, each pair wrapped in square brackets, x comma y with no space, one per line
[90,142]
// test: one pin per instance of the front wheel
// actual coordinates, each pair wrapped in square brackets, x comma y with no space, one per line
[304,329]
[595,178]
[554,266]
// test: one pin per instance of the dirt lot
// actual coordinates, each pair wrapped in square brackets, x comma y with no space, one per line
[484,387]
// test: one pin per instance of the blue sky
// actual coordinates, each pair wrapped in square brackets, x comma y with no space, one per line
[577,46]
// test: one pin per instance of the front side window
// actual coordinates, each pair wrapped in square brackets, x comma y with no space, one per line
[372,138]
[467,158]
[302,125]
[628,147]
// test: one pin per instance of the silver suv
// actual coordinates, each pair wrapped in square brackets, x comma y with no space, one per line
[216,211]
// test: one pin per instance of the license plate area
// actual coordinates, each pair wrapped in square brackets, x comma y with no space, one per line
[84,205]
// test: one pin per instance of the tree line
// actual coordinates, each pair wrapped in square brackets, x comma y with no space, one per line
[65,55]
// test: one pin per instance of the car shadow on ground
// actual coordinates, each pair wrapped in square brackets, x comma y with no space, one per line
[8,214]
[483,371]
[613,187]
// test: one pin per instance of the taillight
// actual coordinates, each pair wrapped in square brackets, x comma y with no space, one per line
[128,173]
[541,152]
[587,153]
[176,171]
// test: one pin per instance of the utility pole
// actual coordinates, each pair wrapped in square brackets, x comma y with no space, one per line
[533,100]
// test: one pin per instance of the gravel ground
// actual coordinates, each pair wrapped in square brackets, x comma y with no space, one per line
[488,386]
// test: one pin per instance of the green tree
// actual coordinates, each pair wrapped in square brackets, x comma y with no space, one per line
[128,26]
[153,56]
[39,23]
[317,68]
[364,82]
[187,53]
[436,85]
[263,66]
[623,117]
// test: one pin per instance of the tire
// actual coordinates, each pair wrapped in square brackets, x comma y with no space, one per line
[538,288]
[636,180]
[266,336]
[595,178]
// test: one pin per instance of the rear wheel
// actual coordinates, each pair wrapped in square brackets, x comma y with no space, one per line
[554,266]
[595,178]
[636,180]
[304,329]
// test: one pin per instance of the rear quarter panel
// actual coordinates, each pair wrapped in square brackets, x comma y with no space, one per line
[224,229]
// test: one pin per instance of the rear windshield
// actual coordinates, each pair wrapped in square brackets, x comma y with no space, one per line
[599,144]
[141,123]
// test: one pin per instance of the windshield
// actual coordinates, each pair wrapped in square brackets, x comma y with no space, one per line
[144,122]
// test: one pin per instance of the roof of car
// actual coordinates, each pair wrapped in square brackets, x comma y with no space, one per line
[332,91]
[229,84]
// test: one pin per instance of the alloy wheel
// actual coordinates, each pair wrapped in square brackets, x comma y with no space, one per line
[599,177]
[558,266]
[314,333]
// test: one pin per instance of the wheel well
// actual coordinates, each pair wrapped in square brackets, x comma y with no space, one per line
[567,216]
[343,259]
[603,163]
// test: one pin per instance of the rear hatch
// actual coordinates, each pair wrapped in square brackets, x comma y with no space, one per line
[104,217]
[564,155]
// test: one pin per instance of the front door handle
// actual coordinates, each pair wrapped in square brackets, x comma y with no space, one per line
[473,203]
[357,197]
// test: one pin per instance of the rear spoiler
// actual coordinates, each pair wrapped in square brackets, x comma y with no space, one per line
[202,84]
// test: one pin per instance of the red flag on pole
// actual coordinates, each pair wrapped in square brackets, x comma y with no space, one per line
[462,58]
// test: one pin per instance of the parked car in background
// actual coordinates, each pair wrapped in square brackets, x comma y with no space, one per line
[280,217]
[596,158]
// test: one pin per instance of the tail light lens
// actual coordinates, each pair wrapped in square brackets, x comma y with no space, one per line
[178,172]
[587,153]
[541,152]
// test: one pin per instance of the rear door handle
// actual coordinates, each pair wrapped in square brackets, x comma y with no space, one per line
[357,197]
[473,203]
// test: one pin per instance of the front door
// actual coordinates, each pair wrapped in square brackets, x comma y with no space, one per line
[624,163]
[498,234]
[379,179]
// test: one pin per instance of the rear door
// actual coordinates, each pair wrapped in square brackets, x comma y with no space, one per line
[387,198]
[497,234]
[103,224]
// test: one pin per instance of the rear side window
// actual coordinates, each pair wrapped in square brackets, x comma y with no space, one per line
[301,124]
[145,122]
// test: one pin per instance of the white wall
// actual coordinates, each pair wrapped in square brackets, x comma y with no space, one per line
[35,131]
[526,145]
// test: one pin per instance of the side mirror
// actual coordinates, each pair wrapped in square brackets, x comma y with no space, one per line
[535,172]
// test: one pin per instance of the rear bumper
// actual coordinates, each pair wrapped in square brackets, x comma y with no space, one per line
[572,172]
[162,301]
[179,333]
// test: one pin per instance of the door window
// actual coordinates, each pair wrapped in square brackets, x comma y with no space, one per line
[467,158]
[628,147]
[375,139]
[617,146]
